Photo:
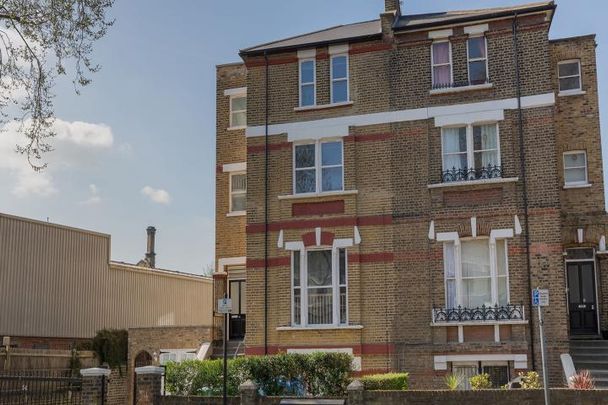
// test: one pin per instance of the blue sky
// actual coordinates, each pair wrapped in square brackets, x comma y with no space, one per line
[138,146]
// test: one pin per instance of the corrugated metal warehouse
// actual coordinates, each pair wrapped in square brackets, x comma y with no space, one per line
[59,282]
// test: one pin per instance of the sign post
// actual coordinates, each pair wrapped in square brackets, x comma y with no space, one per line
[540,298]
[224,306]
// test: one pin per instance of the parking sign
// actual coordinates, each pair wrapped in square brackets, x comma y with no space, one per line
[540,298]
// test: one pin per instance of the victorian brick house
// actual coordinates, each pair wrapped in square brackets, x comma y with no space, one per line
[395,188]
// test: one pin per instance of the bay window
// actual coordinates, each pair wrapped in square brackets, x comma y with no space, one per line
[477,60]
[441,60]
[476,273]
[318,167]
[319,287]
[470,152]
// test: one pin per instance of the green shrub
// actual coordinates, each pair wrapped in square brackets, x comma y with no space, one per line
[452,381]
[317,374]
[386,382]
[480,382]
[111,346]
[530,380]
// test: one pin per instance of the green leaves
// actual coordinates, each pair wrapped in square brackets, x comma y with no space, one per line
[386,382]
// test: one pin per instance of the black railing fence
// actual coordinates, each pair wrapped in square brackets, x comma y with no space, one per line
[507,312]
[40,387]
[457,84]
[471,173]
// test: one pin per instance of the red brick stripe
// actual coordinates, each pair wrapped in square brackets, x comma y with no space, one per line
[272,262]
[322,222]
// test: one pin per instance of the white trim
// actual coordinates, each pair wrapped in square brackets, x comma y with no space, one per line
[280,242]
[236,214]
[470,118]
[297,245]
[432,230]
[318,167]
[474,227]
[476,29]
[320,327]
[338,49]
[318,236]
[579,75]
[149,370]
[318,195]
[323,106]
[480,182]
[485,58]
[314,81]
[357,235]
[95,372]
[471,87]
[239,192]
[447,237]
[449,63]
[332,80]
[231,126]
[518,229]
[573,184]
[568,93]
[570,186]
[470,144]
[234,167]
[342,243]
[496,234]
[307,53]
[339,126]
[230,261]
[441,34]
[237,91]
[520,360]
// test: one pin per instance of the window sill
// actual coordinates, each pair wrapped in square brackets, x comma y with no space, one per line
[323,106]
[480,323]
[471,87]
[568,93]
[236,128]
[474,182]
[236,214]
[320,327]
[569,186]
[318,195]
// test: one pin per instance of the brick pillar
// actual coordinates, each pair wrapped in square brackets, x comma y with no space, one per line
[249,393]
[94,385]
[148,380]
[355,392]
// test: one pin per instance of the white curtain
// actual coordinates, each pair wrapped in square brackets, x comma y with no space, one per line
[450,274]
[487,141]
[477,281]
[454,148]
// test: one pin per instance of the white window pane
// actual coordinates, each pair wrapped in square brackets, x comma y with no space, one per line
[486,159]
[450,293]
[502,291]
[451,162]
[570,83]
[441,53]
[305,181]
[239,119]
[239,202]
[477,292]
[319,268]
[339,91]
[305,156]
[575,160]
[320,306]
[331,153]
[441,75]
[239,103]
[475,259]
[239,182]
[339,67]
[575,175]
[454,140]
[331,179]
[485,137]
[307,71]
[501,258]
[568,69]
[449,263]
[477,47]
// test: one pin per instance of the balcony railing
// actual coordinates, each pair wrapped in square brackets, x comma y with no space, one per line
[471,173]
[502,313]
[454,85]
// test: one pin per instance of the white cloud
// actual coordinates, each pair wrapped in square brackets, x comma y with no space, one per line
[94,197]
[76,144]
[156,195]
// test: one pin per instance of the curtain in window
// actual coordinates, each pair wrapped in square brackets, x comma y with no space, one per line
[476,276]
[441,64]
[454,148]
[450,275]
[320,300]
[485,141]
[464,373]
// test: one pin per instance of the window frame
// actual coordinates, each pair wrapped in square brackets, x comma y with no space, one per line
[580,77]
[335,287]
[232,112]
[494,276]
[471,143]
[450,63]
[586,167]
[240,192]
[469,60]
[318,165]
[333,80]
[314,81]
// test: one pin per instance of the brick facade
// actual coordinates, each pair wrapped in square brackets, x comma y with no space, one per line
[394,192]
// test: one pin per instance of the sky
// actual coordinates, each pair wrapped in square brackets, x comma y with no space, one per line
[137,147]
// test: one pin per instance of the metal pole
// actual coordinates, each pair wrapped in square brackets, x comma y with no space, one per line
[542,354]
[225,355]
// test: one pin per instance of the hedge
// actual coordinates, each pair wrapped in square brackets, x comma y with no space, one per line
[316,374]
[386,382]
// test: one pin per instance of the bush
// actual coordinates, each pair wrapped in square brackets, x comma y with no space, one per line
[480,382]
[317,374]
[386,382]
[530,380]
[452,381]
[582,381]
[111,346]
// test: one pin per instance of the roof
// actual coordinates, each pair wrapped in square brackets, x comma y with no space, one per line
[419,21]
[339,33]
[372,29]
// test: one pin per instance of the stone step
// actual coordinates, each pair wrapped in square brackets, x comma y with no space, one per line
[589,343]
[587,350]
[591,365]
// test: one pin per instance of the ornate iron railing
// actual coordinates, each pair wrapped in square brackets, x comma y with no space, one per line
[471,173]
[464,83]
[497,313]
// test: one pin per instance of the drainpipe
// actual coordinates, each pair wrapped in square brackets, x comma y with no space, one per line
[522,160]
[266,211]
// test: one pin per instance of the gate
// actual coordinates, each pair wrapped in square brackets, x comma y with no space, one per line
[40,387]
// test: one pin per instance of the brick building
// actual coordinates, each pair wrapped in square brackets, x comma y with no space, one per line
[395,188]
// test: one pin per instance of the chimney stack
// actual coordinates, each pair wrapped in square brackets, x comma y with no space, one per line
[150,254]
[392,6]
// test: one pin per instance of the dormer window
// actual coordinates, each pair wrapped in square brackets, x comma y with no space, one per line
[441,59]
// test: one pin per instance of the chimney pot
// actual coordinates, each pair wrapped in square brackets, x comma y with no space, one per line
[151,254]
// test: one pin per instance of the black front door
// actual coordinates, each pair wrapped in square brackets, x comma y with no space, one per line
[237,327]
[581,298]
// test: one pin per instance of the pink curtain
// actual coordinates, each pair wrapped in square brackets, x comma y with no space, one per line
[441,57]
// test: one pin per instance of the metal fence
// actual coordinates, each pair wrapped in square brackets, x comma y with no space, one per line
[40,387]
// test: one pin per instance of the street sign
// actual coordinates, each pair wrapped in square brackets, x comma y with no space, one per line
[540,298]
[224,305]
